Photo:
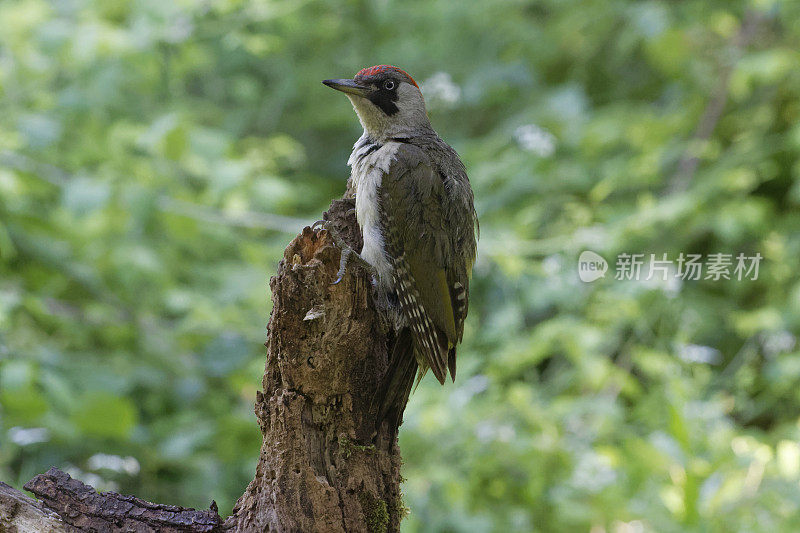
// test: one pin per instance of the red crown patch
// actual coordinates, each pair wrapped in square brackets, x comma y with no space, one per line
[371,71]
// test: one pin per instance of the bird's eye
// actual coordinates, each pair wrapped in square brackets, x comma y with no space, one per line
[388,85]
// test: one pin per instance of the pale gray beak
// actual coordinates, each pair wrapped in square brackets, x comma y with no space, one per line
[348,86]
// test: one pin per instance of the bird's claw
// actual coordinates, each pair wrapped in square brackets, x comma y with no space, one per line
[346,253]
[334,235]
[318,223]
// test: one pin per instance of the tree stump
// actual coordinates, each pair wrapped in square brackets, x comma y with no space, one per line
[322,468]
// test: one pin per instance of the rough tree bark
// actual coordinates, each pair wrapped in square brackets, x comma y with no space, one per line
[323,466]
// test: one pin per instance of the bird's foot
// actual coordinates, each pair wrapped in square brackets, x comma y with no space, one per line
[348,254]
[317,224]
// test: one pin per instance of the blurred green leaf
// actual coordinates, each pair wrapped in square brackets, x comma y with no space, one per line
[104,415]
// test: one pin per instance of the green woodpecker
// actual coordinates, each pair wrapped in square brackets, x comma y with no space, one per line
[414,205]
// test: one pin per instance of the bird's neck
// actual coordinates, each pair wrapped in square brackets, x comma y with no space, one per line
[404,125]
[398,134]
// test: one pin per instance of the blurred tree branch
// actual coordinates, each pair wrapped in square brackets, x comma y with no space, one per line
[689,162]
[244,219]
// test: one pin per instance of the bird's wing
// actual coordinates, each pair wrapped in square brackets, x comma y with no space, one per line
[417,241]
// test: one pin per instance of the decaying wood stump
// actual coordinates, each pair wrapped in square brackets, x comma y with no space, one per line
[320,468]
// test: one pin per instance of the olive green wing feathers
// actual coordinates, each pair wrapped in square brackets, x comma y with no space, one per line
[431,292]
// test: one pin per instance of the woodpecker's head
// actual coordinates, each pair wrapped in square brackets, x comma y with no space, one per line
[387,100]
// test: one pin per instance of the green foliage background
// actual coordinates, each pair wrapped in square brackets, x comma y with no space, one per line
[157,156]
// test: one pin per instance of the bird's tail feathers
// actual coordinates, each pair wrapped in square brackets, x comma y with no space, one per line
[395,388]
[451,362]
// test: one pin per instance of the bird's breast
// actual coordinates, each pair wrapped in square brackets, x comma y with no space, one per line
[369,164]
